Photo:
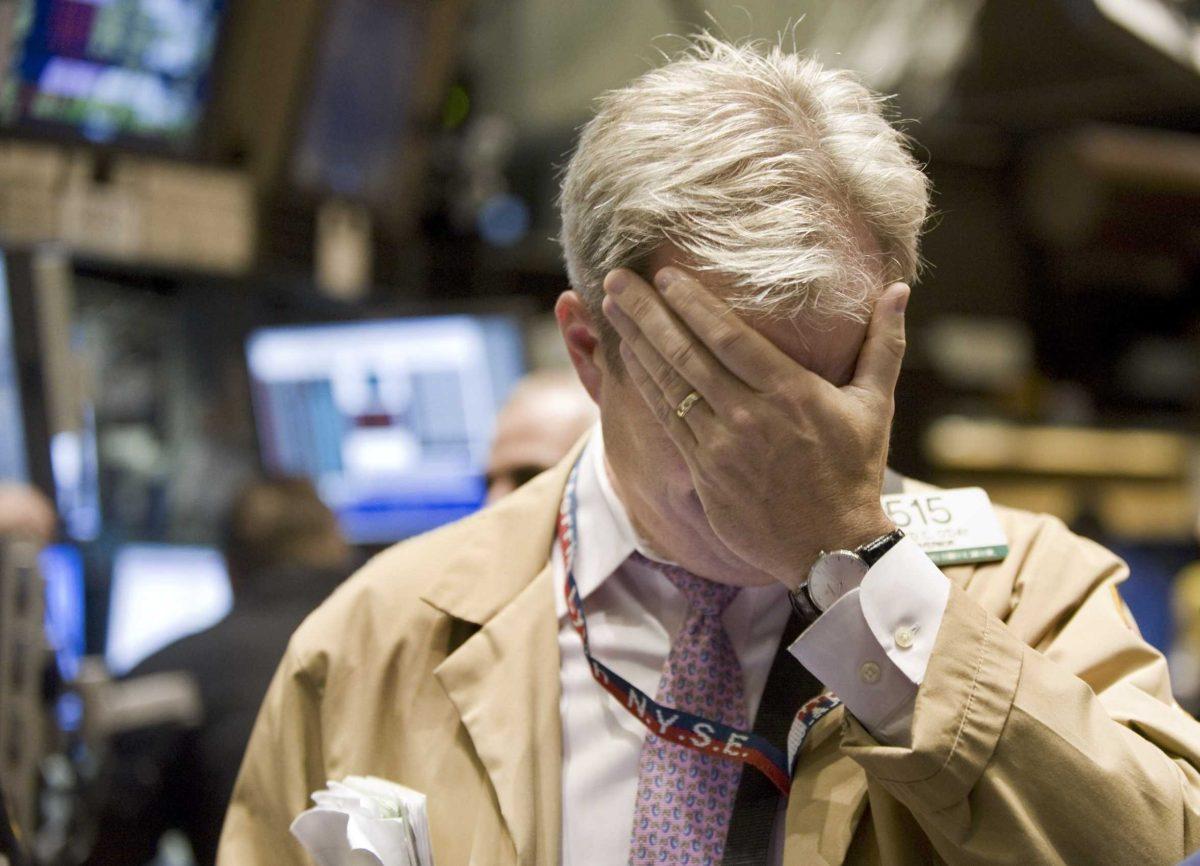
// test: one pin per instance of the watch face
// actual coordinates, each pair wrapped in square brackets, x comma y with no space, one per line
[834,575]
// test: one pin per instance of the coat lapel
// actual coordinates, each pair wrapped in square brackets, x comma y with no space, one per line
[504,682]
[504,679]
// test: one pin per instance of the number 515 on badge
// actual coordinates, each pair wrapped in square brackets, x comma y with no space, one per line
[953,527]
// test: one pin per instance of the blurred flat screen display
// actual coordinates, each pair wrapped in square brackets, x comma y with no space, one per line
[62,570]
[392,420]
[13,460]
[347,146]
[161,593]
[110,69]
[47,425]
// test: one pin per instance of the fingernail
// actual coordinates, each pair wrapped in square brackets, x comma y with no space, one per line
[667,276]
[616,281]
[902,300]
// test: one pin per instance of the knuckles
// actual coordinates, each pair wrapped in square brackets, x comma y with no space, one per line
[728,340]
[722,453]
[797,401]
[742,421]
[637,306]
[896,346]
[681,354]
[663,412]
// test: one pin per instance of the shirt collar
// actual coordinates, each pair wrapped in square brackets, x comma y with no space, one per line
[609,537]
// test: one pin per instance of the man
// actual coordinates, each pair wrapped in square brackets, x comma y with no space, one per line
[545,415]
[644,656]
[285,554]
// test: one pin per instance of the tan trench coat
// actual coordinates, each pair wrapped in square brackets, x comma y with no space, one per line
[1045,731]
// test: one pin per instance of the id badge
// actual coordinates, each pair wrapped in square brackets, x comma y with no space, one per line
[953,527]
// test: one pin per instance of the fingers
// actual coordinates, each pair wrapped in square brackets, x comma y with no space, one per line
[681,430]
[882,352]
[742,350]
[669,388]
[661,340]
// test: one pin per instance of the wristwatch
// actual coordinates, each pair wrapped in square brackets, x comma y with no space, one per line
[835,573]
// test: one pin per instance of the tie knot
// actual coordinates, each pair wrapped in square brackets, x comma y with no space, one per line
[704,596]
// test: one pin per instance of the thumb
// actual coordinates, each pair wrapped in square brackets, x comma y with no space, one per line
[883,350]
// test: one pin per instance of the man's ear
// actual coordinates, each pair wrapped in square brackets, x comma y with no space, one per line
[582,339]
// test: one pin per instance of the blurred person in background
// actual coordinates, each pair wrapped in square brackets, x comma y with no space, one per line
[285,554]
[740,227]
[26,513]
[545,415]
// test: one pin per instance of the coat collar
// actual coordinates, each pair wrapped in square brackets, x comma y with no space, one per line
[511,543]
[504,679]
[504,682]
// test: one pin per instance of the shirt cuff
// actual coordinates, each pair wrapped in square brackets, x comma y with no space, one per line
[872,647]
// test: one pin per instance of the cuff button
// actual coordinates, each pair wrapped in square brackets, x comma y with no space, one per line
[869,673]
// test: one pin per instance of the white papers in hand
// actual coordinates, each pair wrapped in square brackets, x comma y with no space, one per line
[366,821]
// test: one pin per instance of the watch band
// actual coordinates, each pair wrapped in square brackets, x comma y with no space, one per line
[873,551]
[804,607]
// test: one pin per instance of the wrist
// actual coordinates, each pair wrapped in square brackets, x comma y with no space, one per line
[854,530]
[856,534]
[839,570]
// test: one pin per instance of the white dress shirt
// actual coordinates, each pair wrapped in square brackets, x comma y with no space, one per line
[633,612]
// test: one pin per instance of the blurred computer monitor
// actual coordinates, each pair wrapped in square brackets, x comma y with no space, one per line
[392,420]
[62,571]
[161,593]
[14,464]
[119,70]
[43,384]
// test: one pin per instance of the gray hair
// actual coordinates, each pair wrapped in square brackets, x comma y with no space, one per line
[779,178]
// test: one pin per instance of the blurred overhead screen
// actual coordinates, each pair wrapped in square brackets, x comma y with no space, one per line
[391,419]
[110,69]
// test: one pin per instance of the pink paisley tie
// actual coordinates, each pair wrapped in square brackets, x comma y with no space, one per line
[685,797]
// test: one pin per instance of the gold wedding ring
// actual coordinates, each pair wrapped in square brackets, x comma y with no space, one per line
[686,404]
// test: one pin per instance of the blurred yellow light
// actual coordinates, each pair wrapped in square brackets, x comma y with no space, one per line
[458,106]
[994,446]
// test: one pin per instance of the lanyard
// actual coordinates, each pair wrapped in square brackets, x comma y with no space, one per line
[668,723]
